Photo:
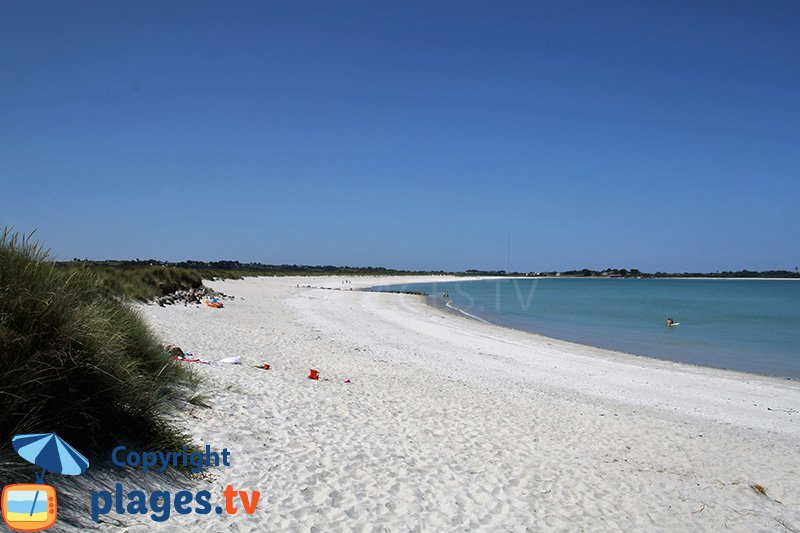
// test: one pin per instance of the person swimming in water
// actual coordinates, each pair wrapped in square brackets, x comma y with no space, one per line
[670,322]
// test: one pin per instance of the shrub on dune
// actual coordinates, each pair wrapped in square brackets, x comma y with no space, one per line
[144,282]
[77,359]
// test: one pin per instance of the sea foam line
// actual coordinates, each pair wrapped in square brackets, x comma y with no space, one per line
[454,308]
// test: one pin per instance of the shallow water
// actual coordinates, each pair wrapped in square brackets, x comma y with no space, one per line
[747,325]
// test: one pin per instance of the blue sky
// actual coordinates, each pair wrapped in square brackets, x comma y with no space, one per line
[653,135]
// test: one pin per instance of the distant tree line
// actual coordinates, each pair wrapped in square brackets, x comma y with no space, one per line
[636,273]
[309,270]
[240,268]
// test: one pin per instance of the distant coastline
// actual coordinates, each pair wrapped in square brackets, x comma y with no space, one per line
[262,269]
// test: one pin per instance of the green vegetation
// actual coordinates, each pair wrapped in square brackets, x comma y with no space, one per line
[76,359]
[141,283]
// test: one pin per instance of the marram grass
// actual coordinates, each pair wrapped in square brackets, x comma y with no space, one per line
[75,358]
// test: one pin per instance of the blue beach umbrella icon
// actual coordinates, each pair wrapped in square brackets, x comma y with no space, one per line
[50,452]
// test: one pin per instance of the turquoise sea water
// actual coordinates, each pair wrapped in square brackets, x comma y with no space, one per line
[27,502]
[747,325]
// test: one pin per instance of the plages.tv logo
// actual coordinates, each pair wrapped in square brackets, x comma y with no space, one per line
[33,506]
[162,504]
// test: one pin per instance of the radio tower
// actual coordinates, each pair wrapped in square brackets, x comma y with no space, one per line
[508,254]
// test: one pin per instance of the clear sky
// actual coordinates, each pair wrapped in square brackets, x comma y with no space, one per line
[651,135]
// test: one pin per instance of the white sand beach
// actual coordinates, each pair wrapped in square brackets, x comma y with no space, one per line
[450,424]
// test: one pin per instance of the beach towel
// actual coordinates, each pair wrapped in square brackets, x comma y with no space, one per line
[191,359]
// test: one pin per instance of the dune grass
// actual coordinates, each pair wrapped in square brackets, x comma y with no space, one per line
[142,282]
[78,360]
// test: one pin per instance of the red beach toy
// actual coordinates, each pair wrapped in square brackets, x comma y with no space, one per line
[313,374]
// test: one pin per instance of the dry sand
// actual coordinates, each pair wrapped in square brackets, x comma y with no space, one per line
[449,424]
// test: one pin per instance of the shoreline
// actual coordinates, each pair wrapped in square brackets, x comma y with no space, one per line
[607,354]
[744,375]
[611,354]
[450,307]
[448,423]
